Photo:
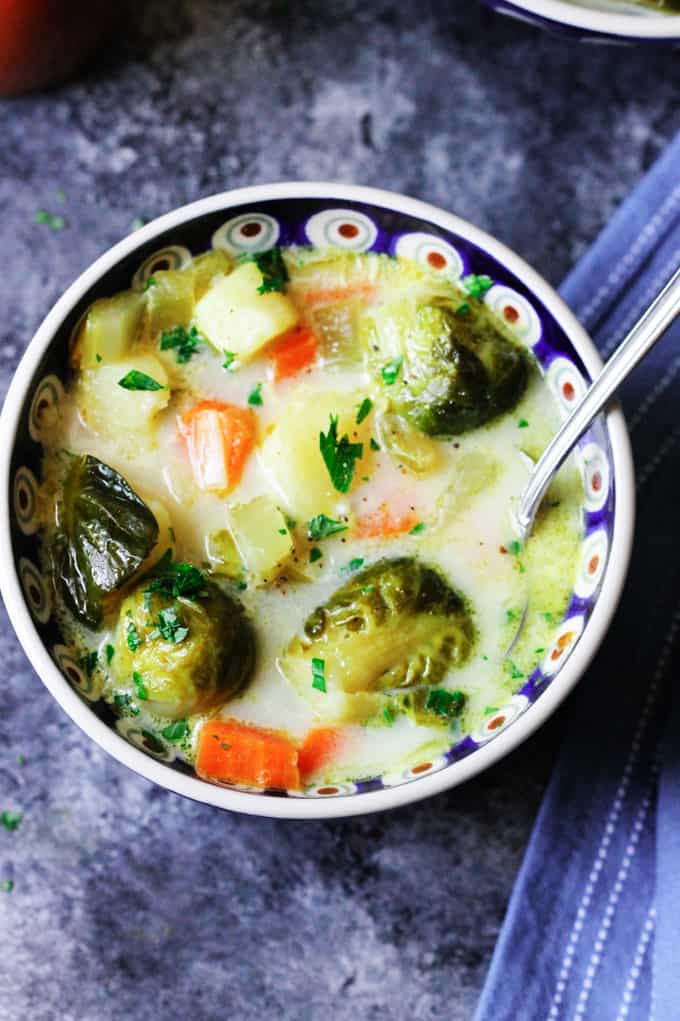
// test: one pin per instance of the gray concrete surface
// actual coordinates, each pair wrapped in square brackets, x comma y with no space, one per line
[128,902]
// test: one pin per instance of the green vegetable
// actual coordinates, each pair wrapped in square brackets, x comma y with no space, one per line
[103,532]
[134,380]
[340,456]
[321,526]
[417,529]
[132,636]
[390,371]
[364,409]
[255,395]
[388,716]
[50,220]
[315,554]
[273,269]
[173,578]
[490,710]
[190,670]
[354,564]
[522,424]
[110,652]
[185,342]
[229,359]
[318,678]
[175,731]
[11,820]
[123,704]
[394,625]
[140,686]
[477,286]
[89,662]
[463,310]
[374,444]
[445,703]
[150,282]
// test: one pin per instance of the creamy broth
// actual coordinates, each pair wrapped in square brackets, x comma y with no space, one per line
[454,517]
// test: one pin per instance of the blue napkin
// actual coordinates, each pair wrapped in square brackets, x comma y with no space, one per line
[592,932]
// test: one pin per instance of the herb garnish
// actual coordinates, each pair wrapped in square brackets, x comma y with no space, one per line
[315,554]
[229,359]
[170,627]
[463,310]
[185,342]
[273,269]
[321,526]
[354,564]
[173,578]
[389,718]
[490,709]
[175,731]
[514,547]
[515,672]
[132,636]
[140,687]
[149,282]
[89,662]
[340,456]
[255,395]
[50,220]
[11,820]
[136,380]
[476,286]
[418,528]
[318,674]
[364,409]
[522,424]
[446,703]
[390,371]
[374,445]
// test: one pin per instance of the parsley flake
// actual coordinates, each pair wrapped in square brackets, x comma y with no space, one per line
[522,424]
[515,547]
[170,627]
[364,409]
[388,715]
[89,662]
[132,636]
[185,342]
[123,703]
[321,526]
[446,703]
[140,687]
[273,269]
[173,578]
[136,380]
[354,564]
[417,529]
[515,672]
[390,371]
[318,674]
[340,456]
[374,444]
[463,310]
[255,396]
[490,710]
[315,554]
[476,286]
[149,282]
[175,731]
[11,820]
[229,361]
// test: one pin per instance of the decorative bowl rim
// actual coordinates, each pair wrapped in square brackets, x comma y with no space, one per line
[637,26]
[367,801]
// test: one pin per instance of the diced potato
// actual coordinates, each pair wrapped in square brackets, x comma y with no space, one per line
[125,416]
[335,325]
[206,267]
[261,535]
[291,457]
[170,301]
[234,316]
[109,329]
[222,553]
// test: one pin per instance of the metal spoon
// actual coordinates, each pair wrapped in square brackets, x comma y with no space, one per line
[643,336]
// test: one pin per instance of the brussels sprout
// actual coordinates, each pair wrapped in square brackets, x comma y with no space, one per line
[103,533]
[459,371]
[183,654]
[395,625]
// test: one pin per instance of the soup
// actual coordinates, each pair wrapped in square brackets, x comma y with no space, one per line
[277,513]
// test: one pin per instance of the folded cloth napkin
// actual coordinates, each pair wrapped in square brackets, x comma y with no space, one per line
[592,932]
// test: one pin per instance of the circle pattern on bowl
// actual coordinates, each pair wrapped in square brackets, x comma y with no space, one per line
[431,252]
[341,228]
[247,234]
[351,229]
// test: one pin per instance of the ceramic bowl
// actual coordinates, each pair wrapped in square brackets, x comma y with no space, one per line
[360,219]
[613,21]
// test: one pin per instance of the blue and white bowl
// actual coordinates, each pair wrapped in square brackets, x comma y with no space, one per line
[603,21]
[360,219]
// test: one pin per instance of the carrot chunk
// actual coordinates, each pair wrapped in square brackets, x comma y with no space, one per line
[385,521]
[319,748]
[295,351]
[315,298]
[235,752]
[218,437]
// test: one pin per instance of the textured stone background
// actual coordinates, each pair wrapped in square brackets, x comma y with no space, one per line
[130,903]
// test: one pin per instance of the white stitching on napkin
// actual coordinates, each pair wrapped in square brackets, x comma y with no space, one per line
[648,296]
[656,392]
[646,473]
[613,899]
[614,815]
[646,236]
[638,961]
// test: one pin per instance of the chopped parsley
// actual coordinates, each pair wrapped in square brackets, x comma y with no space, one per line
[354,564]
[321,526]
[511,616]
[273,269]
[132,636]
[255,396]
[514,670]
[549,618]
[173,578]
[283,531]
[388,715]
[463,310]
[367,589]
[149,282]
[364,409]
[98,357]
[229,360]
[89,662]
[315,554]
[340,456]
[136,380]
[515,547]
[7,885]
[123,703]
[539,652]
[11,820]
[390,371]
[374,444]
[50,220]
[318,674]
[417,529]
[140,687]
[490,709]
[175,731]
[445,703]
[185,342]
[522,424]
[170,627]
[476,286]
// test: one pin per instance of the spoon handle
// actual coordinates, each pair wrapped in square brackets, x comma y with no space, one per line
[639,341]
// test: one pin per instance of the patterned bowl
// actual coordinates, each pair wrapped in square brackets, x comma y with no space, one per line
[359,219]
[613,21]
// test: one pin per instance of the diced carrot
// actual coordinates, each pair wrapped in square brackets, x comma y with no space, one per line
[385,521]
[219,437]
[330,295]
[235,752]
[319,748]
[294,352]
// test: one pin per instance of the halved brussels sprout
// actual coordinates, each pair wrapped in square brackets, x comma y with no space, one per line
[446,366]
[103,533]
[395,625]
[181,654]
